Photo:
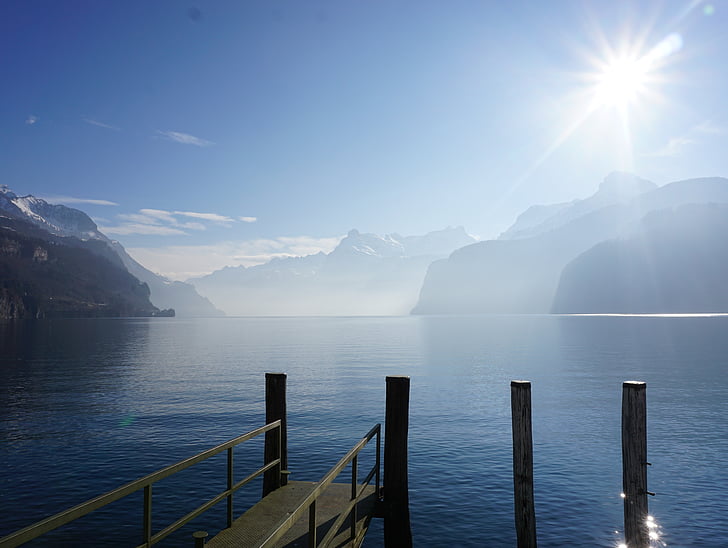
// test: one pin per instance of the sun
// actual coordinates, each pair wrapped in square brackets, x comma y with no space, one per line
[621,82]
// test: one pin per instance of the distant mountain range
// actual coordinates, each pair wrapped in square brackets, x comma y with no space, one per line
[55,262]
[632,247]
[617,251]
[365,274]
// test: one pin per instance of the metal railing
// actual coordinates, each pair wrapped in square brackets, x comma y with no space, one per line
[309,503]
[44,526]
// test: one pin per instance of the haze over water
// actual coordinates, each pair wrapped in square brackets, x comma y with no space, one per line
[90,404]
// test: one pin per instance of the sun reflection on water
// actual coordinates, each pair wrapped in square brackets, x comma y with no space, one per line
[654,532]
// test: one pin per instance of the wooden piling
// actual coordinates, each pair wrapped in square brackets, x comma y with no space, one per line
[634,464]
[397,530]
[200,538]
[525,513]
[275,408]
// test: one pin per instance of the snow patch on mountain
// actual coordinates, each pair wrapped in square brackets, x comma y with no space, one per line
[64,221]
[366,274]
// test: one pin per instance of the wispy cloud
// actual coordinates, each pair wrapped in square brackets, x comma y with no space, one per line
[676,145]
[157,215]
[673,147]
[73,200]
[710,128]
[185,138]
[184,262]
[161,222]
[213,217]
[31,119]
[100,124]
[142,228]
[248,219]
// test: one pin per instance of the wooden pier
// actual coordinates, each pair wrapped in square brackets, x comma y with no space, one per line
[329,513]
[325,513]
[254,527]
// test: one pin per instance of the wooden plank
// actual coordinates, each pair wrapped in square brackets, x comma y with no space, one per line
[254,526]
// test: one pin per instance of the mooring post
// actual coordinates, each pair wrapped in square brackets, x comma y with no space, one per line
[275,441]
[397,531]
[634,464]
[200,537]
[525,512]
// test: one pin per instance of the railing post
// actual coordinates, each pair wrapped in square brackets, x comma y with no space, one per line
[634,463]
[276,443]
[378,459]
[312,541]
[147,523]
[354,466]
[397,531]
[230,487]
[525,512]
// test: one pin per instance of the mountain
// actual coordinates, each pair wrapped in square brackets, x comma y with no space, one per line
[521,275]
[47,276]
[674,261]
[66,222]
[165,293]
[617,188]
[366,274]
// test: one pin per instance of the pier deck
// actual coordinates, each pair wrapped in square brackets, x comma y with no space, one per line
[255,525]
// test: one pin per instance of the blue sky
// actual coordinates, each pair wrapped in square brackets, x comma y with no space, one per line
[230,132]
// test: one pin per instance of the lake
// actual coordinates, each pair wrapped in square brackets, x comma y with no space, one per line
[87,405]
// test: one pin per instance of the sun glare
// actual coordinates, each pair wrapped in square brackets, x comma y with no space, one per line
[621,82]
[624,75]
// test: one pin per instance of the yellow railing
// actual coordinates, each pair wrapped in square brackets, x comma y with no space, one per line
[44,526]
[309,503]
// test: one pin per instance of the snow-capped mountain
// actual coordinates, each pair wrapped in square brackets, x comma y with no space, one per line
[56,219]
[366,274]
[67,222]
[44,274]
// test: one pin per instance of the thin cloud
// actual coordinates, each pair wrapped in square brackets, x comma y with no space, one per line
[182,262]
[158,215]
[31,119]
[673,147]
[141,228]
[185,138]
[100,124]
[213,217]
[676,145]
[74,200]
[248,219]
[710,128]
[161,222]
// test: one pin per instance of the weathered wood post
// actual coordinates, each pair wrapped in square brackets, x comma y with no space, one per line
[275,408]
[397,531]
[200,537]
[634,464]
[525,512]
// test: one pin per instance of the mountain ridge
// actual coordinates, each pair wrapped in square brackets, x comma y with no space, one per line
[521,275]
[366,274]
[47,276]
[62,221]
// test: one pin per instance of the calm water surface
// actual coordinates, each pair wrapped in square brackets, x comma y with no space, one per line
[86,405]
